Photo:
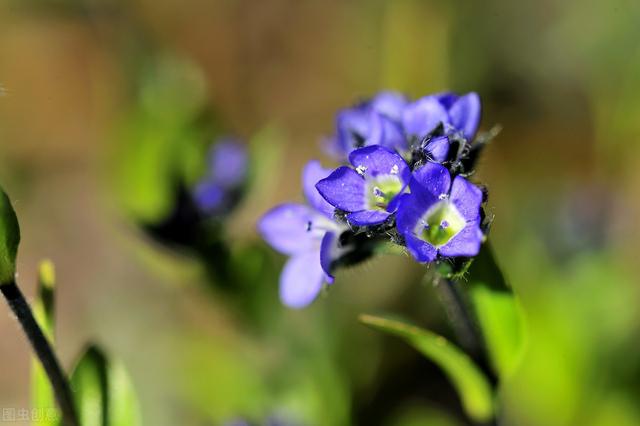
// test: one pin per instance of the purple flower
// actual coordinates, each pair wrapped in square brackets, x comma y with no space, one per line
[456,113]
[373,122]
[309,236]
[440,218]
[227,170]
[370,192]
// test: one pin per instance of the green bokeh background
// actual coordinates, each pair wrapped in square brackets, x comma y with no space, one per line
[104,102]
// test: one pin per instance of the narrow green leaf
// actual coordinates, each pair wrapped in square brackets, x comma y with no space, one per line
[43,400]
[89,384]
[498,312]
[471,384]
[9,239]
[103,391]
[124,408]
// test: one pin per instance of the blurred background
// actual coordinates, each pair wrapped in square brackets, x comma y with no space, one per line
[106,110]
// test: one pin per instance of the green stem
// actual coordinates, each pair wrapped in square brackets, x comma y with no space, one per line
[466,328]
[43,350]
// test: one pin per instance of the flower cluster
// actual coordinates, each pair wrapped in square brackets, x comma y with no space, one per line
[198,210]
[217,192]
[406,181]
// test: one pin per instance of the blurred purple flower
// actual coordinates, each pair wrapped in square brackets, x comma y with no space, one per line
[308,234]
[370,192]
[389,120]
[456,113]
[373,122]
[438,217]
[226,173]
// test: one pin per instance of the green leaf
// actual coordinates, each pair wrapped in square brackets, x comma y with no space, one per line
[43,400]
[103,392]
[162,140]
[89,384]
[472,386]
[9,239]
[498,312]
[124,409]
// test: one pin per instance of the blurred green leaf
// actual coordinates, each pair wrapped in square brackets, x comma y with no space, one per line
[163,139]
[498,312]
[471,384]
[104,394]
[43,400]
[421,415]
[89,384]
[9,239]
[124,408]
[228,381]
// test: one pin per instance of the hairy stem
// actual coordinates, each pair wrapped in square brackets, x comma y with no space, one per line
[466,327]
[456,307]
[43,350]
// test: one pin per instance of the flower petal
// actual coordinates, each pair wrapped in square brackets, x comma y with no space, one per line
[410,211]
[209,196]
[377,160]
[368,217]
[301,279]
[438,148]
[287,228]
[466,243]
[344,189]
[465,113]
[353,126]
[446,99]
[422,116]
[394,135]
[312,173]
[228,162]
[329,251]
[421,250]
[467,198]
[386,132]
[389,104]
[430,182]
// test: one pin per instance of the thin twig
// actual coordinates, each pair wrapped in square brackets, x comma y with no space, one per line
[43,350]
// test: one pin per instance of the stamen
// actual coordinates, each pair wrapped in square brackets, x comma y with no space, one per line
[361,169]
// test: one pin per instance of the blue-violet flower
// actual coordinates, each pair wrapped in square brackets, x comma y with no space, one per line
[309,235]
[226,173]
[456,113]
[373,122]
[369,191]
[438,217]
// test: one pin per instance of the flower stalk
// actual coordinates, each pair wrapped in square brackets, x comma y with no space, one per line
[43,350]
[462,318]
